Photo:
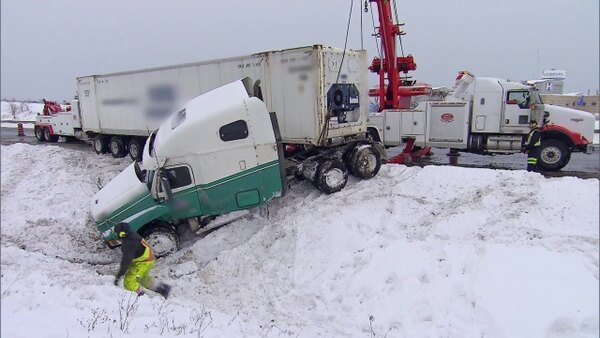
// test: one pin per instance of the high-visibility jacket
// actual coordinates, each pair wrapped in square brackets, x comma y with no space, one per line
[534,139]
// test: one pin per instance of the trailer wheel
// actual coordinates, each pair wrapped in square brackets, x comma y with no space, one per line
[364,162]
[162,238]
[136,148]
[117,147]
[554,155]
[99,144]
[332,176]
[39,134]
[50,137]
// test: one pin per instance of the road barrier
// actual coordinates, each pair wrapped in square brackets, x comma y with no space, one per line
[20,131]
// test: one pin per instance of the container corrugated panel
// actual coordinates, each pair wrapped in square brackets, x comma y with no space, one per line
[292,82]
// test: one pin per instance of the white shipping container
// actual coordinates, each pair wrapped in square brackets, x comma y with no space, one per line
[294,83]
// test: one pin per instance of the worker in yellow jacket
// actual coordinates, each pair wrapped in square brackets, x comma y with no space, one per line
[136,263]
[532,146]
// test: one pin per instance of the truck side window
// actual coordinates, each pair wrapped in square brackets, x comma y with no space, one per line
[520,98]
[179,177]
[234,131]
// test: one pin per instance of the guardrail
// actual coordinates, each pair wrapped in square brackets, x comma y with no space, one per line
[16,121]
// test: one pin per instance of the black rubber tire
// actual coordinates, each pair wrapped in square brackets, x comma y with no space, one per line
[117,147]
[50,137]
[136,148]
[553,155]
[332,176]
[39,134]
[364,162]
[163,239]
[99,144]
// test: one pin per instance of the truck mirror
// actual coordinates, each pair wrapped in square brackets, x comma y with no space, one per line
[166,186]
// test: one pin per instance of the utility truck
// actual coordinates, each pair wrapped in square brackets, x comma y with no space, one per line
[220,153]
[487,116]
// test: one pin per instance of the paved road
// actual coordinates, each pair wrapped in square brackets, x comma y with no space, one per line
[581,165]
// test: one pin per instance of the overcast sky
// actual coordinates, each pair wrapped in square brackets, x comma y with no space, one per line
[46,44]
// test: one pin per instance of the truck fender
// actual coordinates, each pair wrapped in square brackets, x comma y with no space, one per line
[374,134]
[569,137]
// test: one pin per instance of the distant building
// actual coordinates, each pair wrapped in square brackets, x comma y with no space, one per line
[552,81]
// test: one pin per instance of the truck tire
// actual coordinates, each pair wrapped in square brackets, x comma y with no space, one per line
[364,162]
[162,238]
[332,176]
[99,144]
[117,147]
[136,148]
[39,134]
[554,155]
[49,136]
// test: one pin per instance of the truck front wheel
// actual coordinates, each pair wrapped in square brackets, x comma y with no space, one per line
[39,134]
[554,155]
[162,239]
[117,147]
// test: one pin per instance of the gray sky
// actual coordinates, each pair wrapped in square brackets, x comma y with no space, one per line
[46,44]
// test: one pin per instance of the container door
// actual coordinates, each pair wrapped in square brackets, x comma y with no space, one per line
[86,90]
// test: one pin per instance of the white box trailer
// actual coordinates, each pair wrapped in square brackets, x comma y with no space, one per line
[317,101]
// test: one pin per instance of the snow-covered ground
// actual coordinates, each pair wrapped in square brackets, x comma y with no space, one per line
[413,252]
[21,111]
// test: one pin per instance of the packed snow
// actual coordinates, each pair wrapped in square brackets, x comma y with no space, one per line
[413,252]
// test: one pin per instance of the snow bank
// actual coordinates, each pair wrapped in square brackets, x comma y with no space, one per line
[429,252]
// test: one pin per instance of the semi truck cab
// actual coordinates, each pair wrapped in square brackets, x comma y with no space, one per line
[217,154]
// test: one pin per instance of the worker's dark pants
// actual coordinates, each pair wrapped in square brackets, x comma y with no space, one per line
[532,159]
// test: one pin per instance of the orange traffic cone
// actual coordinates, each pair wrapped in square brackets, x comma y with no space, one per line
[20,131]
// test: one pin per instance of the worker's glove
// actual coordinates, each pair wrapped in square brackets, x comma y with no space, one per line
[117,280]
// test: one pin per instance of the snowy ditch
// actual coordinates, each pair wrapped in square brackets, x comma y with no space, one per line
[428,252]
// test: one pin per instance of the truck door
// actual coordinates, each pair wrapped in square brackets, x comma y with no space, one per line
[184,200]
[516,110]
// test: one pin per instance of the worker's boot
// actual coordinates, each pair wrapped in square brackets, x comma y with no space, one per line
[163,289]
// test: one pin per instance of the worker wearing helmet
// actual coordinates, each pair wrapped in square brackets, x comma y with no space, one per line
[532,146]
[136,263]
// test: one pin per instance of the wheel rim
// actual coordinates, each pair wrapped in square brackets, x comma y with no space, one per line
[114,147]
[38,133]
[47,133]
[98,145]
[334,178]
[551,155]
[367,162]
[163,243]
[133,149]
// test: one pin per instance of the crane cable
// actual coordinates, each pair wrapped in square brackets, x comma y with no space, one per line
[325,129]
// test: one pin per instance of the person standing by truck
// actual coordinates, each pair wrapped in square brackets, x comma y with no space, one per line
[532,146]
[136,263]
